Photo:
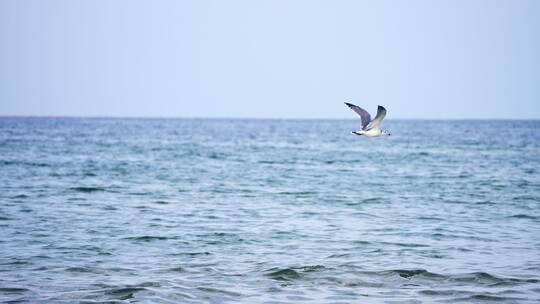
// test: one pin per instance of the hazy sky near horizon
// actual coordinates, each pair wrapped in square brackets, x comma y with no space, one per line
[277,59]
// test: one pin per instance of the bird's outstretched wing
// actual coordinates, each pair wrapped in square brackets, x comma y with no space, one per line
[381,113]
[364,115]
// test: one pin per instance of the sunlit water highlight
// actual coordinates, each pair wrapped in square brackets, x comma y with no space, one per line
[268,211]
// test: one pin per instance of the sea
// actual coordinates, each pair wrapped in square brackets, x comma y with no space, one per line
[164,210]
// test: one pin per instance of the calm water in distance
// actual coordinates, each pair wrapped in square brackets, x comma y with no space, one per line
[268,211]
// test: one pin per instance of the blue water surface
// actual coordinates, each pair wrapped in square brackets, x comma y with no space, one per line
[268,211]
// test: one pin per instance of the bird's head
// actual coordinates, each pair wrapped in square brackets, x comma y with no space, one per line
[386,132]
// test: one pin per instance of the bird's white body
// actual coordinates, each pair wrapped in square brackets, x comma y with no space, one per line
[370,128]
[370,133]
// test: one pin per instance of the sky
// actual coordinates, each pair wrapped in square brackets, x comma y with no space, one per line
[270,59]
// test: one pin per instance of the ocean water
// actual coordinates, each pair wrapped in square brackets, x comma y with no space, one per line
[268,211]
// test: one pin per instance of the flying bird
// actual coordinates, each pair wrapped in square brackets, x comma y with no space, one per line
[370,128]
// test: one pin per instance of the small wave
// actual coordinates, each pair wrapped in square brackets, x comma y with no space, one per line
[415,272]
[17,262]
[411,245]
[271,162]
[217,238]
[284,274]
[340,255]
[217,155]
[292,273]
[431,292]
[220,291]
[483,278]
[430,218]
[140,193]
[149,238]
[192,254]
[490,203]
[372,200]
[485,297]
[148,284]
[406,273]
[524,216]
[13,289]
[81,270]
[526,198]
[297,193]
[20,196]
[87,189]
[125,292]
[120,270]
[312,268]
[365,243]
[5,162]
[479,277]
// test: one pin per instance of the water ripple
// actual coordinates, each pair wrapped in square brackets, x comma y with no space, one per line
[263,211]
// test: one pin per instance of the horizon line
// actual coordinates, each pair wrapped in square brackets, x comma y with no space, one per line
[236,118]
[239,118]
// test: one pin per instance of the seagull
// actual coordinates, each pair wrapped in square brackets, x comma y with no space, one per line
[370,128]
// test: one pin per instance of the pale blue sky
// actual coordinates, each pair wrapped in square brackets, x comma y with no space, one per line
[279,59]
